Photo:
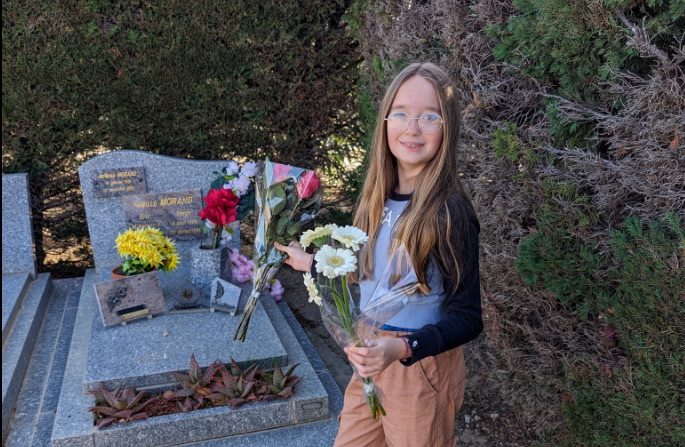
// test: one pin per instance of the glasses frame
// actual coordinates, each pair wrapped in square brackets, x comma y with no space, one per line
[418,124]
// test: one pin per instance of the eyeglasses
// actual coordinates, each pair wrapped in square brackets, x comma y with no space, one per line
[429,122]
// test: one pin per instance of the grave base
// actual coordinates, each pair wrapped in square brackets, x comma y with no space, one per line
[74,424]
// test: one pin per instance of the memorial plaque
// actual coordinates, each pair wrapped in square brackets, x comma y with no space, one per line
[175,213]
[119,182]
[132,297]
[224,296]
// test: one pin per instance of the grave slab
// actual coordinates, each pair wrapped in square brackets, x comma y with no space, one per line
[13,287]
[17,229]
[74,426]
[144,353]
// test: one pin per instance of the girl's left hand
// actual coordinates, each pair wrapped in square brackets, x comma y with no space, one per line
[370,361]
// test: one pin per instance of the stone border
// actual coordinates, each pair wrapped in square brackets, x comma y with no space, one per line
[17,349]
[74,425]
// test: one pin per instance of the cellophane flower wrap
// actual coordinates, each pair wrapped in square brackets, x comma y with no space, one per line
[332,292]
[286,199]
[397,286]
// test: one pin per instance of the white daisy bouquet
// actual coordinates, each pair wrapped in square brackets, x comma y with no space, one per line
[331,291]
[286,199]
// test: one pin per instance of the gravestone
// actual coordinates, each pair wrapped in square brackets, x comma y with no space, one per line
[171,201]
[156,348]
[25,294]
[17,231]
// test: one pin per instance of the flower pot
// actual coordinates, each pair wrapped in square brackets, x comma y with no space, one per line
[118,273]
[206,264]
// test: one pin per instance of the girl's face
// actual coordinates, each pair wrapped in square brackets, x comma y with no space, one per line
[412,147]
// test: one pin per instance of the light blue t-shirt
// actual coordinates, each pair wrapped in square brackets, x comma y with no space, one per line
[419,309]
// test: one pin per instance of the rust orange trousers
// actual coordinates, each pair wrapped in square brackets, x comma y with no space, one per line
[421,402]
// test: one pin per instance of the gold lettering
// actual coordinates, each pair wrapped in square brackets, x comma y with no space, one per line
[146,204]
[172,201]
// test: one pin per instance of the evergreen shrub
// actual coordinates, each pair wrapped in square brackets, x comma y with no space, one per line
[209,81]
[636,399]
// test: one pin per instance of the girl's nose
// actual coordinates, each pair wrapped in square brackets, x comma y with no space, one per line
[413,127]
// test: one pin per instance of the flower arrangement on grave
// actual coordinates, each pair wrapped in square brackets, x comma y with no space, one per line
[144,250]
[219,211]
[286,199]
[230,198]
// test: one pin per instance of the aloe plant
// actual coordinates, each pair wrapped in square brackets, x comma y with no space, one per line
[279,384]
[196,385]
[234,391]
[118,406]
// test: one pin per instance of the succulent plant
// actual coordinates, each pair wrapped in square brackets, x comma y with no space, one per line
[196,385]
[279,384]
[234,391]
[118,406]
[218,384]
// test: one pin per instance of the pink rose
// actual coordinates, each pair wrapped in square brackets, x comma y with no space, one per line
[308,184]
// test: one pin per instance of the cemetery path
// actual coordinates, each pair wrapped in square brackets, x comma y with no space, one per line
[485,418]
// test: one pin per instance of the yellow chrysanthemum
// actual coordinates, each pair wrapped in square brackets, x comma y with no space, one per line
[147,248]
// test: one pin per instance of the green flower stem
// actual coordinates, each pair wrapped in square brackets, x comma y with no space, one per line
[342,304]
[217,236]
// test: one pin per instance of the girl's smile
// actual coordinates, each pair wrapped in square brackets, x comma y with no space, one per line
[411,146]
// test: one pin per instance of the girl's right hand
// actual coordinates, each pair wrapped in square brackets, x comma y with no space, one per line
[297,258]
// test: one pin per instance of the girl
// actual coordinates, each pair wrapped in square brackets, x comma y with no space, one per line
[412,197]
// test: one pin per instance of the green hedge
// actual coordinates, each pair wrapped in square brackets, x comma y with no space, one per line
[201,80]
[572,46]
[631,394]
[576,44]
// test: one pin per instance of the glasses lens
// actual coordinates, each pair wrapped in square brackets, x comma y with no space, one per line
[430,122]
[430,126]
[397,122]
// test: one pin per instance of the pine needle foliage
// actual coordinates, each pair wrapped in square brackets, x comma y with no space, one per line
[635,398]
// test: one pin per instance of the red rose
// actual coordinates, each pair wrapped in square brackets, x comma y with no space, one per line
[308,184]
[221,207]
[223,198]
[218,216]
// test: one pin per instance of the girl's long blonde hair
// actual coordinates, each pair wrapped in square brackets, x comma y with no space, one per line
[426,224]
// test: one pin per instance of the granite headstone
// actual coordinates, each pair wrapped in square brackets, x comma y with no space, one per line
[17,231]
[164,177]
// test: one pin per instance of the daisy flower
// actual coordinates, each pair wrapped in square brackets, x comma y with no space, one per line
[349,236]
[334,262]
[313,292]
[317,236]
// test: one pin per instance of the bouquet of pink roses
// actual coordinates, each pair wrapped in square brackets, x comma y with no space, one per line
[286,198]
